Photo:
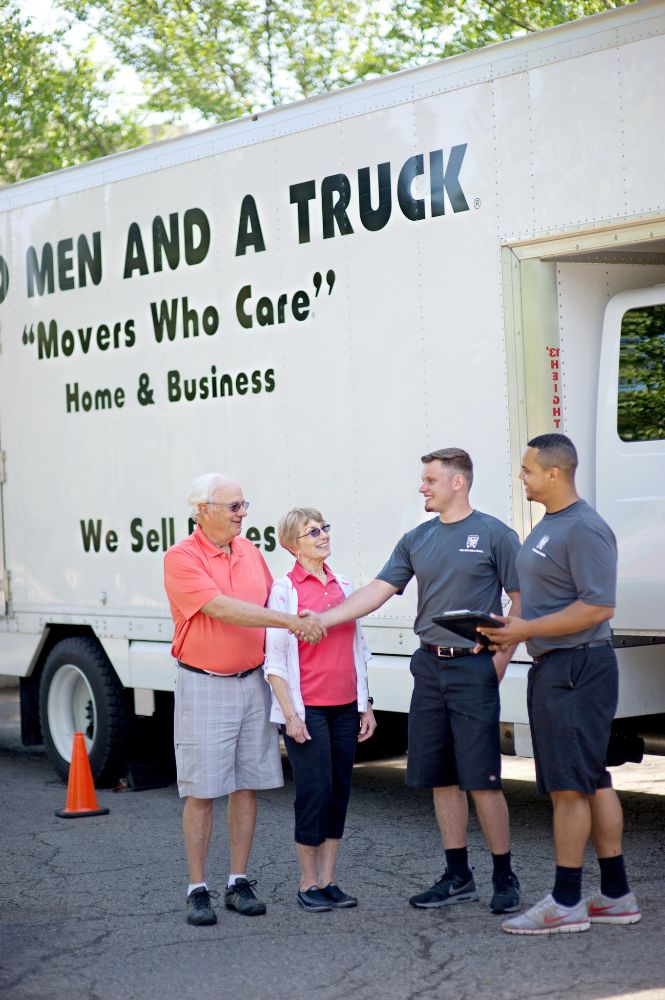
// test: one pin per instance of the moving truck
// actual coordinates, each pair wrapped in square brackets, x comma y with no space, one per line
[309,299]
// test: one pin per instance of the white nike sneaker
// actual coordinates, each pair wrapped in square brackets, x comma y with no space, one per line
[549,917]
[605,910]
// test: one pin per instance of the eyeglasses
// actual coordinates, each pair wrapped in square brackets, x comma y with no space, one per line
[234,507]
[315,532]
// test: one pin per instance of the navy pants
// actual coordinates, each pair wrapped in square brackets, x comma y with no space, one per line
[322,769]
[572,695]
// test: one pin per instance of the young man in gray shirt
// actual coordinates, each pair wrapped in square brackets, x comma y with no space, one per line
[462,558]
[567,570]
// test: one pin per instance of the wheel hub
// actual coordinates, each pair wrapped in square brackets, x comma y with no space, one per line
[71,709]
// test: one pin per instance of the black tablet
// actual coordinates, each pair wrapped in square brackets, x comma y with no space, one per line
[466,622]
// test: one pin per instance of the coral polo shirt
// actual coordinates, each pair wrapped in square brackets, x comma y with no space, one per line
[327,670]
[195,571]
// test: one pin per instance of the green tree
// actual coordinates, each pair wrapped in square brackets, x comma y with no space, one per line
[224,59]
[422,30]
[227,59]
[220,60]
[641,408]
[53,105]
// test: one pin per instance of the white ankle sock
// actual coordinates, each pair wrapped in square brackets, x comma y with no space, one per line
[233,876]
[196,885]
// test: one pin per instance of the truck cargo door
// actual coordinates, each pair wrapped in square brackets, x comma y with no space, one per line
[630,455]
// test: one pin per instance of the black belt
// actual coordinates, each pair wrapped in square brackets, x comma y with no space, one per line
[446,652]
[571,649]
[211,673]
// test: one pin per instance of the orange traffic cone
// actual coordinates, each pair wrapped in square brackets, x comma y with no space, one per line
[81,798]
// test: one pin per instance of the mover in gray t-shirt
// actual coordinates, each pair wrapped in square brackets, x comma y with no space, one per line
[567,574]
[462,558]
[463,564]
[571,555]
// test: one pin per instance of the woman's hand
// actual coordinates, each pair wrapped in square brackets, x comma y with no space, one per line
[367,725]
[296,729]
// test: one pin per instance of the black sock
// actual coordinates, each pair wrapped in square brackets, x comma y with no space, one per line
[613,881]
[457,862]
[501,864]
[567,889]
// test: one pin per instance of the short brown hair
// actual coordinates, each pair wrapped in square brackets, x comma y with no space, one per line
[455,460]
[292,522]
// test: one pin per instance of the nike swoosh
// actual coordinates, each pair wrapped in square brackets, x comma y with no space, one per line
[596,911]
[557,920]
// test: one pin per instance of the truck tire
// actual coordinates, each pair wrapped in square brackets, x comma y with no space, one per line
[80,692]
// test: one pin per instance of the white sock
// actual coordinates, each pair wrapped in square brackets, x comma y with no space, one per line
[233,876]
[196,885]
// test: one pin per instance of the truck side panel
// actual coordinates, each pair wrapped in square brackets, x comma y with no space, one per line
[310,300]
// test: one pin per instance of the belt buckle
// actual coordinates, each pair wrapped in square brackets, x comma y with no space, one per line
[445,652]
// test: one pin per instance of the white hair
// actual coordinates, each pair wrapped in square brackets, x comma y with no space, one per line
[202,489]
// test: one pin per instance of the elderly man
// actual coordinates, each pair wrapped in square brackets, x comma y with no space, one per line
[217,585]
[567,568]
[462,558]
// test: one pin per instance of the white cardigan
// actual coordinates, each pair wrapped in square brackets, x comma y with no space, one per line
[282,650]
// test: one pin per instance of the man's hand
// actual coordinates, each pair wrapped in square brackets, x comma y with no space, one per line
[367,725]
[501,658]
[515,630]
[310,628]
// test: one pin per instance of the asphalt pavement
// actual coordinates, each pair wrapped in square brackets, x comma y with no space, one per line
[93,909]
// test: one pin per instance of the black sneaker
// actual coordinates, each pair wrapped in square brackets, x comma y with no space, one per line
[199,908]
[506,898]
[241,897]
[338,900]
[313,899]
[448,889]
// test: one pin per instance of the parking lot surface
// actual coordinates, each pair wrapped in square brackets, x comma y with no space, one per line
[93,909]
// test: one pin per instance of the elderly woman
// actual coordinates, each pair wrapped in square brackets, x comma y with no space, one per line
[320,696]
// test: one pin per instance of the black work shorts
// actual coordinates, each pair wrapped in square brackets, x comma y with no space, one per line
[454,723]
[572,696]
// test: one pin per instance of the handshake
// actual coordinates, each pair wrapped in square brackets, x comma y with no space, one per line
[310,628]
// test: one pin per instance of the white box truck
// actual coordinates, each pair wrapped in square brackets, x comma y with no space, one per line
[309,299]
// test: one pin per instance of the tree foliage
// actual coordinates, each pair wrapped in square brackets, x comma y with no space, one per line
[423,30]
[227,59]
[217,60]
[224,59]
[53,106]
[641,413]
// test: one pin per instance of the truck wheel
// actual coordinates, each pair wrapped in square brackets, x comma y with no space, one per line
[80,692]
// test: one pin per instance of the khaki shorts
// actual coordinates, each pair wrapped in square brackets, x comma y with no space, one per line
[223,739]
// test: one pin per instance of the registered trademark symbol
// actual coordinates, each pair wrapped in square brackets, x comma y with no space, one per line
[476,202]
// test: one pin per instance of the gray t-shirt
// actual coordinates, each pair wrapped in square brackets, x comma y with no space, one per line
[459,565]
[569,556]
